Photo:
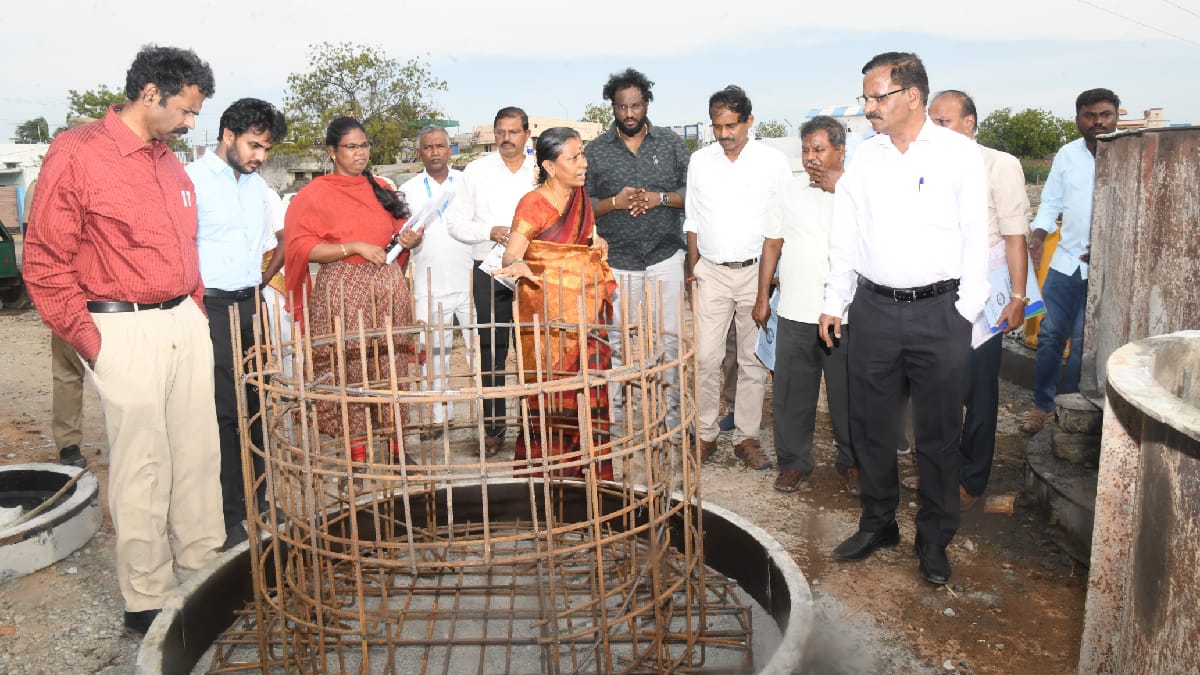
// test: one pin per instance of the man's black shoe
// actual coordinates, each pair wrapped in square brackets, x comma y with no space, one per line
[864,543]
[432,435]
[139,622]
[933,564]
[727,422]
[70,456]
[234,536]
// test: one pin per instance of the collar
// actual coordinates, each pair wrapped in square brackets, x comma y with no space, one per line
[619,137]
[127,141]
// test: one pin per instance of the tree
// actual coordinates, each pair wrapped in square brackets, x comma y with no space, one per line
[93,103]
[36,130]
[597,113]
[390,98]
[1032,133]
[770,129]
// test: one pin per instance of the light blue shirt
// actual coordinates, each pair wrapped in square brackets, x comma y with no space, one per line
[233,220]
[1068,191]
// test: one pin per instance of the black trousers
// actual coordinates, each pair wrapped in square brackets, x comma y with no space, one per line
[493,305]
[979,428]
[233,493]
[927,345]
[800,360]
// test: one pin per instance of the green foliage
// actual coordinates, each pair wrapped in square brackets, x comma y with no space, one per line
[692,144]
[362,81]
[597,113]
[93,103]
[1031,133]
[770,129]
[1035,170]
[36,130]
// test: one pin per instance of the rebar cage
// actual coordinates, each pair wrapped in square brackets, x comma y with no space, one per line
[378,548]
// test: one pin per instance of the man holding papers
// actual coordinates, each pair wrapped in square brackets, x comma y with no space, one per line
[1008,219]
[441,263]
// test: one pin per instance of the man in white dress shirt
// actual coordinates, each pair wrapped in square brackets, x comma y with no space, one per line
[481,215]
[441,263]
[908,254]
[730,185]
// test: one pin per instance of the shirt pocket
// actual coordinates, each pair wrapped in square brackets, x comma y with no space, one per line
[127,213]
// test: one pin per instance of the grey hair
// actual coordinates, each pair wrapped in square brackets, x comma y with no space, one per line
[833,129]
[430,128]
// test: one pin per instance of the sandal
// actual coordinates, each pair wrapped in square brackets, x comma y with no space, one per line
[1036,420]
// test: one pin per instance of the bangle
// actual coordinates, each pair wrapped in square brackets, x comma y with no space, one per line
[614,201]
[344,253]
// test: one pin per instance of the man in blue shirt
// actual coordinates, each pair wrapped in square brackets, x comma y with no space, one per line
[234,221]
[1068,191]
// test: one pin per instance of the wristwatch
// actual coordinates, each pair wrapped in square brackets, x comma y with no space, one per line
[1022,298]
[662,197]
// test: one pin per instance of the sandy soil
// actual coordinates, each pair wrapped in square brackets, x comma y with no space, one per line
[1015,604]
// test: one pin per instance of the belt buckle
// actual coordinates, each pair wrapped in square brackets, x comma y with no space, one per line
[904,295]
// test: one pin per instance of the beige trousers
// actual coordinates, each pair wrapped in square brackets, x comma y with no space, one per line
[154,375]
[67,403]
[721,294]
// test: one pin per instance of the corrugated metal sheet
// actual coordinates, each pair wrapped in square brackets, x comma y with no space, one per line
[1144,278]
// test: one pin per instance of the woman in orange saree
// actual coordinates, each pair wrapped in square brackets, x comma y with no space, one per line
[563,279]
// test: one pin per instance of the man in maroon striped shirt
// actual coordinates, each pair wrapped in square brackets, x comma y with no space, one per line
[111,263]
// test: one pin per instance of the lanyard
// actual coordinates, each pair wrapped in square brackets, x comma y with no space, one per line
[429,193]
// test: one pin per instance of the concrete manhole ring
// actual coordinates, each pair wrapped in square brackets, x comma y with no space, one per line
[53,534]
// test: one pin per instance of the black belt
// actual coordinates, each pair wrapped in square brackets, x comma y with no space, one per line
[111,306]
[240,294]
[737,265]
[911,294]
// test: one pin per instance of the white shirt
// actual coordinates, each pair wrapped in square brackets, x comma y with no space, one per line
[911,219]
[487,198]
[439,257]
[1069,189]
[800,216]
[728,203]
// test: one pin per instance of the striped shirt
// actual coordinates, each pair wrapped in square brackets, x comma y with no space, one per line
[113,218]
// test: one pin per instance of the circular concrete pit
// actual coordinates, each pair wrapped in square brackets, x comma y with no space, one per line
[53,534]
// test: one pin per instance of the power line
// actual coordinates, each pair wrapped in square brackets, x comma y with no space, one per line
[1140,23]
[1177,6]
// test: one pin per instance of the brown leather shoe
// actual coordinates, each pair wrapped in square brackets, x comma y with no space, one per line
[1036,420]
[790,480]
[852,487]
[965,500]
[750,453]
[705,448]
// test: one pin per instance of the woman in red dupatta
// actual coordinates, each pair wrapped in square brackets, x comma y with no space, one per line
[552,253]
[343,220]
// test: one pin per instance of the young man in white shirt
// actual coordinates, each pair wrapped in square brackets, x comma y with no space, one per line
[730,185]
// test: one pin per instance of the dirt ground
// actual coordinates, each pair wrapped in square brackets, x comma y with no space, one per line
[1015,603]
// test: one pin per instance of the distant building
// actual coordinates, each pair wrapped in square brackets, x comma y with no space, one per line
[1150,119]
[483,137]
[853,117]
[20,164]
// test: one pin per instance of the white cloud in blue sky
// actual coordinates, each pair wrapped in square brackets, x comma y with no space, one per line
[552,58]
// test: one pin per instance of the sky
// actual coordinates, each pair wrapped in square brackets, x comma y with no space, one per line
[553,58]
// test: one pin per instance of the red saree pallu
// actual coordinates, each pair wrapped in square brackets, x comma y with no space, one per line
[576,283]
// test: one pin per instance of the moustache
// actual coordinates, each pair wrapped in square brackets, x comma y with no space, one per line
[182,131]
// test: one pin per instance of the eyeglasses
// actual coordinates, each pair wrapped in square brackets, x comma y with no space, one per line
[355,147]
[508,132]
[635,107]
[862,100]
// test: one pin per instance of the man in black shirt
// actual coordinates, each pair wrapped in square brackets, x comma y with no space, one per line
[636,179]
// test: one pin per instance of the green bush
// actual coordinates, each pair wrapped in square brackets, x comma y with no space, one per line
[1035,170]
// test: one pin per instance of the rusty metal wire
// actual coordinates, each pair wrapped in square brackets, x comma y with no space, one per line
[407,561]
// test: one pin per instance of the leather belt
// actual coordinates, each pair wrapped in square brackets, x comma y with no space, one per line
[240,294]
[911,294]
[112,306]
[737,265]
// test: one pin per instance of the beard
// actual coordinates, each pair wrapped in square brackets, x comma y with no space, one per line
[636,130]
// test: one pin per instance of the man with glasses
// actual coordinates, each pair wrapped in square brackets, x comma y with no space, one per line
[730,186]
[441,263]
[1068,191]
[908,258]
[481,215]
[797,245]
[234,223]
[636,178]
